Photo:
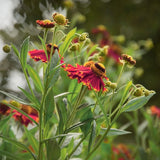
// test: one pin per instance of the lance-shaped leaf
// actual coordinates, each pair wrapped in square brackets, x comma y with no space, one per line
[18,144]
[24,52]
[115,132]
[67,41]
[15,50]
[53,150]
[136,103]
[35,77]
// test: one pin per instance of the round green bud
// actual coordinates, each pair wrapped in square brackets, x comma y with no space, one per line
[60,19]
[16,104]
[6,48]
[113,85]
[146,92]
[138,92]
[74,47]
[83,37]
[108,83]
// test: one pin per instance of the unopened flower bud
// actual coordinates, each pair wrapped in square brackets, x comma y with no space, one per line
[15,103]
[108,83]
[68,4]
[83,37]
[146,92]
[128,59]
[60,19]
[113,85]
[6,48]
[74,47]
[138,92]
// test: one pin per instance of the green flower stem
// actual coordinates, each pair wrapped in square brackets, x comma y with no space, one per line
[120,74]
[26,76]
[80,97]
[98,143]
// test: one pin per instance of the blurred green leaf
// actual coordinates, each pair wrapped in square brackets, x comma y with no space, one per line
[115,132]
[136,103]
[67,41]
[3,122]
[18,144]
[87,115]
[92,136]
[53,150]
[15,50]
[49,106]
[24,52]
[13,97]
[35,77]
[32,140]
[30,98]
[10,155]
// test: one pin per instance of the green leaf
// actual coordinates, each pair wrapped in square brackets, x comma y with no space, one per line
[18,144]
[136,103]
[24,52]
[125,93]
[68,39]
[15,50]
[19,110]
[9,155]
[3,121]
[35,77]
[53,150]
[49,105]
[13,97]
[92,136]
[115,132]
[32,140]
[87,115]
[30,98]
[92,50]
[62,94]
[44,45]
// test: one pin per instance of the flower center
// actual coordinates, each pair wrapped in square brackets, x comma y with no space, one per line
[49,46]
[99,69]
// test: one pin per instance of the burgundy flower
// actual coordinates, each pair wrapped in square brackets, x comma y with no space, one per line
[39,54]
[4,109]
[90,74]
[45,23]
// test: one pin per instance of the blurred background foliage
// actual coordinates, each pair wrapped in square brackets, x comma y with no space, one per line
[135,19]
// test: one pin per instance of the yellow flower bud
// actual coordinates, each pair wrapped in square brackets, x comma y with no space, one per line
[113,85]
[138,92]
[60,19]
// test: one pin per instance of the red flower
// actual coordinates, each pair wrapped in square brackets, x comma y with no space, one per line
[122,151]
[114,50]
[90,74]
[155,111]
[39,54]
[4,109]
[22,118]
[45,23]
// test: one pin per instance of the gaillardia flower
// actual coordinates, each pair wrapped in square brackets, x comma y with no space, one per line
[90,74]
[155,111]
[39,54]
[22,118]
[45,23]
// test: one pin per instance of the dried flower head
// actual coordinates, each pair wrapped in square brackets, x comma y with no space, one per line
[45,23]
[60,19]
[128,59]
